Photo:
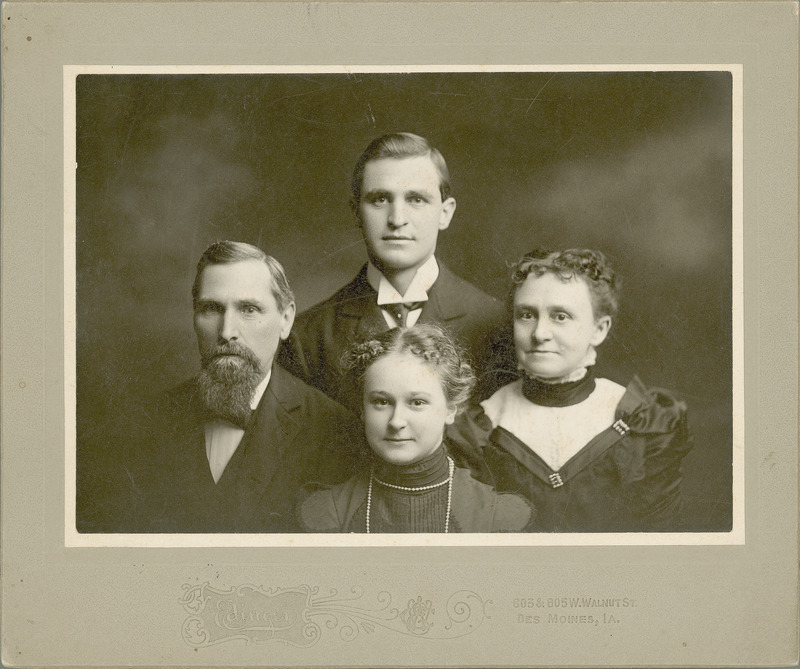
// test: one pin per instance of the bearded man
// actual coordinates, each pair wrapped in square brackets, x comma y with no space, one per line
[227,450]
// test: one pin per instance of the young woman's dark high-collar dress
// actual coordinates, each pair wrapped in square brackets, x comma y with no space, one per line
[626,478]
[412,498]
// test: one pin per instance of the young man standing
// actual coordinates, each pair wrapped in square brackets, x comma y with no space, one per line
[401,199]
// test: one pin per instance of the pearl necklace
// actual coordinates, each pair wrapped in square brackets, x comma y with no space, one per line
[448,481]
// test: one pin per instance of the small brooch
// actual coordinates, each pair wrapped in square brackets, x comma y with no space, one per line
[621,426]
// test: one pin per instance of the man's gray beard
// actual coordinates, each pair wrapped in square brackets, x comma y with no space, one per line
[227,384]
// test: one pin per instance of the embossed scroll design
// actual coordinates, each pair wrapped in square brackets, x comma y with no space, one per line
[298,615]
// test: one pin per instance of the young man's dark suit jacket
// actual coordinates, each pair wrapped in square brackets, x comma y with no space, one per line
[322,334]
[295,435]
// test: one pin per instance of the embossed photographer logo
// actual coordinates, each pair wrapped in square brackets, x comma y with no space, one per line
[297,616]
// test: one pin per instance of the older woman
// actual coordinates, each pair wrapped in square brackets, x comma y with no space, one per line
[589,454]
[412,383]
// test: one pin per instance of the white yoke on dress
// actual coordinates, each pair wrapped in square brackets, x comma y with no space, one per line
[555,434]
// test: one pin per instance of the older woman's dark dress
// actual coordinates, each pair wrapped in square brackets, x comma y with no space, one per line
[627,478]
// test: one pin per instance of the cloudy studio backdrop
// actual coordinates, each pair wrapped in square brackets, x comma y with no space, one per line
[637,164]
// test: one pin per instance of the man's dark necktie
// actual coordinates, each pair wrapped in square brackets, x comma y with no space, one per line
[400,310]
[240,418]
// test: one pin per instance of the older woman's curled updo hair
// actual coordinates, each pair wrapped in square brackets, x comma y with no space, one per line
[592,266]
[429,343]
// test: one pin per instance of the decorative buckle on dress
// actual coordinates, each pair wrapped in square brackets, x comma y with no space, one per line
[621,426]
[555,480]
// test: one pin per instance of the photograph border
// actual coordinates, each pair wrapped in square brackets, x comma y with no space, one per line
[736,536]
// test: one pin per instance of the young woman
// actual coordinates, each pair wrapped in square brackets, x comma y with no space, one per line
[589,454]
[412,383]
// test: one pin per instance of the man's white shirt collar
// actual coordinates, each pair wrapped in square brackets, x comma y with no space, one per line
[417,290]
[258,393]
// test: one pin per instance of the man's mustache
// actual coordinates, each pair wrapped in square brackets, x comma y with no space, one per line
[231,348]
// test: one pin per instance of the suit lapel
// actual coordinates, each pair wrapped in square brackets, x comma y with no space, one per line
[444,302]
[260,456]
[359,313]
[190,463]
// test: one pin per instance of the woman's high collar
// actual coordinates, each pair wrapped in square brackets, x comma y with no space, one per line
[562,394]
[432,469]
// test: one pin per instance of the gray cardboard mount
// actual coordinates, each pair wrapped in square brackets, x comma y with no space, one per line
[727,600]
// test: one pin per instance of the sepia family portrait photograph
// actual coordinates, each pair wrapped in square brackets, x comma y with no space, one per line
[404,302]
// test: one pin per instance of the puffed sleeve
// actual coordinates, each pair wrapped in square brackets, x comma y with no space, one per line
[649,457]
[512,513]
[465,440]
[478,507]
[321,508]
[315,510]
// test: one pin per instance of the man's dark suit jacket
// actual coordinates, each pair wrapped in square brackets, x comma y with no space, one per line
[295,435]
[322,334]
